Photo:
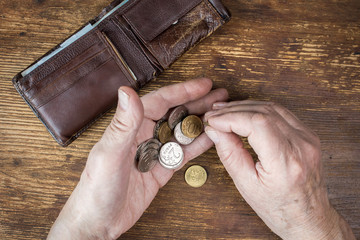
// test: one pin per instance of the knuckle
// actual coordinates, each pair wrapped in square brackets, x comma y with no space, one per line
[312,151]
[316,139]
[118,125]
[227,157]
[298,172]
[260,119]
[269,108]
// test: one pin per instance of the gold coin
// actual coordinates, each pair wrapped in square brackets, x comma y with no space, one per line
[195,176]
[192,126]
[165,133]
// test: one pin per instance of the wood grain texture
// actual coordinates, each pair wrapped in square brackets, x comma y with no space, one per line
[302,54]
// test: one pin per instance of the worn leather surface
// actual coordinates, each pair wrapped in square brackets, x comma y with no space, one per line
[149,18]
[78,85]
[187,32]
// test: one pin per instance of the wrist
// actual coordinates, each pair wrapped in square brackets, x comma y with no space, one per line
[324,223]
[73,223]
[339,229]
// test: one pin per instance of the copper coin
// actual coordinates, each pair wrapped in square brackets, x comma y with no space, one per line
[147,160]
[157,128]
[176,116]
[192,126]
[195,176]
[165,133]
[138,151]
[147,154]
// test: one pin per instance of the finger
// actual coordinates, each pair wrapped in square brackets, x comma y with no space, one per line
[235,158]
[239,106]
[264,135]
[157,103]
[197,107]
[121,133]
[264,107]
[200,145]
[220,105]
[204,104]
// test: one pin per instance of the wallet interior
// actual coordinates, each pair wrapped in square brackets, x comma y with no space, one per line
[129,44]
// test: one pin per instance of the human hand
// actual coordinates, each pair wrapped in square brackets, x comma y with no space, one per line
[112,194]
[285,187]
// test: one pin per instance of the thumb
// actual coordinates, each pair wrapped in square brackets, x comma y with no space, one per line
[120,134]
[235,158]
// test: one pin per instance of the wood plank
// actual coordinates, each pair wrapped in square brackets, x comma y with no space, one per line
[304,55]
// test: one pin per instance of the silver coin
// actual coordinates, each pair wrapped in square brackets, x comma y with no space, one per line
[180,137]
[171,155]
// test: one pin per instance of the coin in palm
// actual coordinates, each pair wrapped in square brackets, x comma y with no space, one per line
[192,126]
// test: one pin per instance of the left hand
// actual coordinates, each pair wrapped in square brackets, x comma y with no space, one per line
[112,194]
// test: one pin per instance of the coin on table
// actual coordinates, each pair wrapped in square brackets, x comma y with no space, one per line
[192,126]
[195,176]
[171,155]
[180,137]
[147,154]
[176,116]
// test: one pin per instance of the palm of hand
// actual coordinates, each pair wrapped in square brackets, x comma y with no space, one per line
[125,192]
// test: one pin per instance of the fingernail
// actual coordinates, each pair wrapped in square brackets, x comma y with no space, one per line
[212,135]
[219,105]
[123,100]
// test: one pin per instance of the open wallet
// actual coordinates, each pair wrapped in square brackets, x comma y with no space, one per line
[130,43]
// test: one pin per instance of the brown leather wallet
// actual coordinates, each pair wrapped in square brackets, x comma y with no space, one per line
[128,44]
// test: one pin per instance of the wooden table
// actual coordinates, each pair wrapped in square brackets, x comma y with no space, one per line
[304,55]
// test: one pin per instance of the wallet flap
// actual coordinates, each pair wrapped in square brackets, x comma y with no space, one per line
[149,18]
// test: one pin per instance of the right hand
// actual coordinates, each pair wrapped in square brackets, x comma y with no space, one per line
[285,187]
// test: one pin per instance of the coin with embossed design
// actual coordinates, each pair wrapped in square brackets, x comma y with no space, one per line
[157,128]
[177,115]
[192,126]
[171,155]
[180,137]
[147,154]
[165,133]
[195,176]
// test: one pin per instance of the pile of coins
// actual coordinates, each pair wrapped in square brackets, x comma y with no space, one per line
[170,133]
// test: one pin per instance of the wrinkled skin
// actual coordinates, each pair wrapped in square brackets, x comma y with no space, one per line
[285,187]
[112,194]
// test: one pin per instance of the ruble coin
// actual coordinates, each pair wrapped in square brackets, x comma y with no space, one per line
[180,137]
[165,133]
[176,116]
[192,126]
[171,155]
[147,154]
[195,176]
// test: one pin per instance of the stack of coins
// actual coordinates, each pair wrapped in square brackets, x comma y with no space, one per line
[178,128]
